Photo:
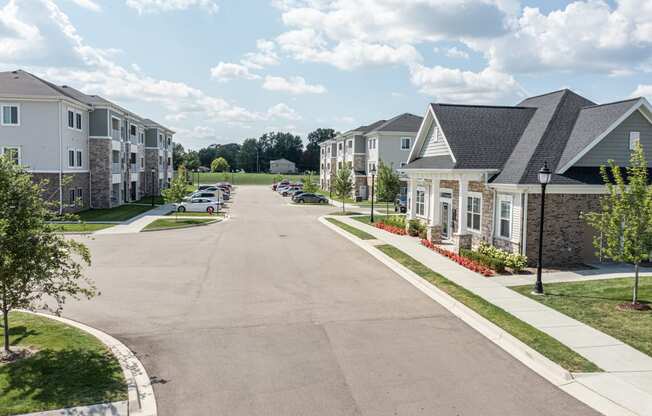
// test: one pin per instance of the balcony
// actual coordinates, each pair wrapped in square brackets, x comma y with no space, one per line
[116,134]
[115,167]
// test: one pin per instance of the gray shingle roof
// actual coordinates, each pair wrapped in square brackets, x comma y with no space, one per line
[591,122]
[21,83]
[481,137]
[405,122]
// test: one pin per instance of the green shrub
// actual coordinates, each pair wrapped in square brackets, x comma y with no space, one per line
[395,220]
[415,227]
[493,263]
[514,261]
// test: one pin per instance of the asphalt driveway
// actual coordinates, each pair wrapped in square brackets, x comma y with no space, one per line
[271,313]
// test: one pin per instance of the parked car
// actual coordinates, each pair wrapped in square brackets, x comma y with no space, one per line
[302,197]
[400,203]
[280,189]
[213,196]
[198,205]
[294,192]
[290,190]
[224,185]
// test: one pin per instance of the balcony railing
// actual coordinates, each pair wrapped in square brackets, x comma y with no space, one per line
[115,168]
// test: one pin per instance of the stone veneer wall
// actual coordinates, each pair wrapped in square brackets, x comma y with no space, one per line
[564,231]
[487,217]
[100,162]
[51,189]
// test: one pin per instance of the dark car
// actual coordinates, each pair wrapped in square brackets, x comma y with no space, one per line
[309,198]
[290,191]
[400,203]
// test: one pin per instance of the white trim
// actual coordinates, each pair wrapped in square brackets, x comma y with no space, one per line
[642,102]
[418,141]
[507,198]
[2,114]
[524,225]
[12,146]
[551,189]
[410,143]
[74,157]
[420,188]
[100,137]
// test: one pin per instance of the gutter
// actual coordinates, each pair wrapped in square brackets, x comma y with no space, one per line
[60,161]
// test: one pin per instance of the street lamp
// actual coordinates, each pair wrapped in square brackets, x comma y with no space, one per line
[197,172]
[373,176]
[153,178]
[544,179]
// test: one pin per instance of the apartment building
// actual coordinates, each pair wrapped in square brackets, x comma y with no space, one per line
[361,150]
[59,132]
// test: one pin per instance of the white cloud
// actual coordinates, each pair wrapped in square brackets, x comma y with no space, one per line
[225,71]
[292,85]
[643,90]
[282,110]
[156,6]
[455,85]
[88,4]
[453,52]
[264,56]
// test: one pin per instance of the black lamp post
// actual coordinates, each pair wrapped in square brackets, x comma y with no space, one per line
[153,188]
[373,177]
[197,172]
[544,179]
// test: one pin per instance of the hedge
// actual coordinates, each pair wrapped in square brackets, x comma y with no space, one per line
[492,263]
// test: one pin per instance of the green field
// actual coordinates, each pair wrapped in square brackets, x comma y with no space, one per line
[70,368]
[168,224]
[121,213]
[82,227]
[595,303]
[242,178]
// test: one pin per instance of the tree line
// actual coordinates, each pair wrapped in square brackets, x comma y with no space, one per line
[254,155]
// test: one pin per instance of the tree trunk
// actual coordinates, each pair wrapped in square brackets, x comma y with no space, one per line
[5,326]
[343,206]
[635,295]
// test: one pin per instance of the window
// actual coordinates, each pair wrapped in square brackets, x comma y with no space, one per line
[473,212]
[132,158]
[71,158]
[421,202]
[78,121]
[132,130]
[372,144]
[10,115]
[160,140]
[115,123]
[634,139]
[13,153]
[403,164]
[349,164]
[142,163]
[405,143]
[339,146]
[80,196]
[169,141]
[71,119]
[349,144]
[339,165]
[79,158]
[160,160]
[169,161]
[505,216]
[71,194]
[372,166]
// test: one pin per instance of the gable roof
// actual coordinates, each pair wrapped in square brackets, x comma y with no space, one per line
[282,160]
[592,123]
[406,122]
[23,84]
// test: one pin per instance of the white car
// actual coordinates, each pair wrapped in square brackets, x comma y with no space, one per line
[199,205]
[215,196]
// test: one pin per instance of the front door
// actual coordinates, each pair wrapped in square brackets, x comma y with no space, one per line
[446,219]
[133,191]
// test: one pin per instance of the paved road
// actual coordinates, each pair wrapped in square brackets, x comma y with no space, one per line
[272,313]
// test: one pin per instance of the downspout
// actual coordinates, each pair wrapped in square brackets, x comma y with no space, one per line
[524,225]
[60,160]
[90,174]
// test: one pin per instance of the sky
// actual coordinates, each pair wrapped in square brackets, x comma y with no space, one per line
[220,71]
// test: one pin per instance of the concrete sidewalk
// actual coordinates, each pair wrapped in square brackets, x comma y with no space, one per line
[137,223]
[627,377]
[596,272]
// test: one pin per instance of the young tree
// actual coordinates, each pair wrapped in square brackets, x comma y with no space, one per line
[36,260]
[219,165]
[176,192]
[343,185]
[309,184]
[388,184]
[625,217]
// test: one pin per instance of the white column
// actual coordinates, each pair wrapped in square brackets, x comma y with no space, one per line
[461,209]
[410,198]
[434,202]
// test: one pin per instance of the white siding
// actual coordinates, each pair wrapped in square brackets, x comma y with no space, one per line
[517,213]
[432,147]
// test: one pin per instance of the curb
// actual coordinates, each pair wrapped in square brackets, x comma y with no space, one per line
[532,359]
[203,224]
[141,399]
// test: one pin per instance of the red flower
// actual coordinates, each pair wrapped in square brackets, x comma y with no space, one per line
[463,261]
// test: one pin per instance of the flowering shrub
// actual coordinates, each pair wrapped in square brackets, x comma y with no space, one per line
[514,261]
[415,227]
[463,261]
[395,220]
[391,228]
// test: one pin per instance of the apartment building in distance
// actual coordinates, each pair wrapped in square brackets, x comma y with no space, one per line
[362,149]
[110,155]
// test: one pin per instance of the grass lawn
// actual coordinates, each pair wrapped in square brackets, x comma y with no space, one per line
[241,178]
[594,303]
[541,342]
[195,214]
[356,232]
[344,213]
[82,227]
[327,194]
[71,368]
[121,213]
[366,219]
[167,224]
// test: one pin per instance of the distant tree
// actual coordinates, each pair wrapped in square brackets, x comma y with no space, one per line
[248,156]
[178,155]
[309,184]
[277,145]
[207,155]
[175,194]
[229,152]
[36,261]
[219,165]
[192,160]
[343,186]
[388,183]
[625,219]
[310,157]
